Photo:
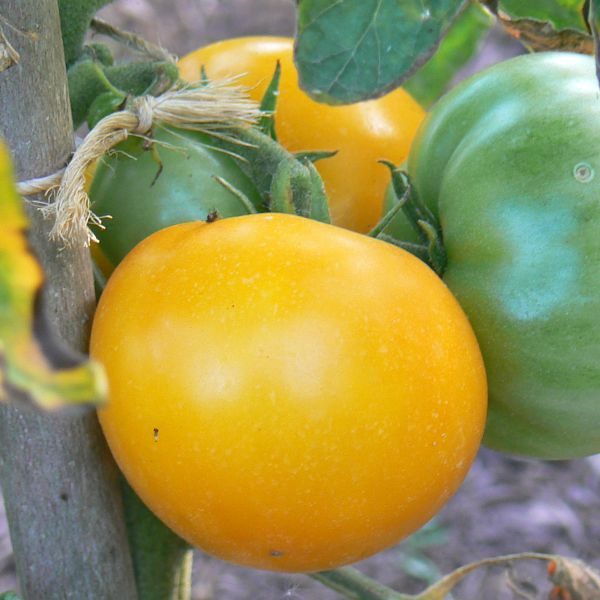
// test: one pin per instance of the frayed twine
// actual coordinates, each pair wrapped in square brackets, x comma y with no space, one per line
[214,108]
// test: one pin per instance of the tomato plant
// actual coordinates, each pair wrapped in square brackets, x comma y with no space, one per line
[509,161]
[362,133]
[273,409]
[145,188]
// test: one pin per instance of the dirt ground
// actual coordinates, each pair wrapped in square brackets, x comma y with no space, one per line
[505,505]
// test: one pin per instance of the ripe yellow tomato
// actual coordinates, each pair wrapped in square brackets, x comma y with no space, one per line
[286,394]
[362,133]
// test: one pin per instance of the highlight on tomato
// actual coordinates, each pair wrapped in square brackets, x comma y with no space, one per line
[362,133]
[286,394]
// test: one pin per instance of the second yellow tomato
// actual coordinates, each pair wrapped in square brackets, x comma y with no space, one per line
[362,133]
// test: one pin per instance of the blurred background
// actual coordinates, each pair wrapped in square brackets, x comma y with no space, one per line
[506,505]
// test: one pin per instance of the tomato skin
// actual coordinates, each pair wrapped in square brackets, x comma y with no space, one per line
[142,195]
[362,133]
[273,409]
[498,160]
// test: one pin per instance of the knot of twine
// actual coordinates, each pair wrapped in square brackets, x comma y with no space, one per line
[214,107]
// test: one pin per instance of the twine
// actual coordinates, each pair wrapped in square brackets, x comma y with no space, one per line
[40,185]
[215,107]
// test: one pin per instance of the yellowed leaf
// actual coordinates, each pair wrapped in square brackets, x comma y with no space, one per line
[33,365]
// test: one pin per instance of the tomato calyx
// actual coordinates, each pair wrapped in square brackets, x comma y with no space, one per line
[246,202]
[286,184]
[427,226]
[266,124]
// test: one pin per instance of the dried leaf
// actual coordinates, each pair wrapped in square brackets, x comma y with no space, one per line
[541,35]
[573,579]
[9,57]
[34,365]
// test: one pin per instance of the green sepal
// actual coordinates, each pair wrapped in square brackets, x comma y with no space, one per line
[282,180]
[282,192]
[314,155]
[75,19]
[237,193]
[204,80]
[418,250]
[103,105]
[293,192]
[423,221]
[268,104]
[319,205]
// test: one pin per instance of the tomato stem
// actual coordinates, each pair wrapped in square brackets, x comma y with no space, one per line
[351,583]
[424,222]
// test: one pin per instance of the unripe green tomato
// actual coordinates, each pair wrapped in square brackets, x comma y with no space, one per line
[144,188]
[510,161]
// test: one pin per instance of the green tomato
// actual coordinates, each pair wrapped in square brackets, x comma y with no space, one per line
[510,162]
[145,187]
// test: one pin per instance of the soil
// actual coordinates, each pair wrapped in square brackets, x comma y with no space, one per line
[506,505]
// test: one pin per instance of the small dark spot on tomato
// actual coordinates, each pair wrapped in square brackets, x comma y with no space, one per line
[276,553]
[156,434]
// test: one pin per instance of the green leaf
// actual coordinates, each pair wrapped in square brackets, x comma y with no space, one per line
[352,50]
[563,14]
[10,596]
[457,48]
[34,365]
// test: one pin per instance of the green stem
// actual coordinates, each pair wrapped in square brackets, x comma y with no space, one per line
[162,561]
[418,214]
[352,584]
[132,41]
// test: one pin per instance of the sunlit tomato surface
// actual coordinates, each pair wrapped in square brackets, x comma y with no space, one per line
[285,394]
[362,133]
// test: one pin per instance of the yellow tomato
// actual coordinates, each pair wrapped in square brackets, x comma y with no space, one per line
[362,133]
[286,394]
